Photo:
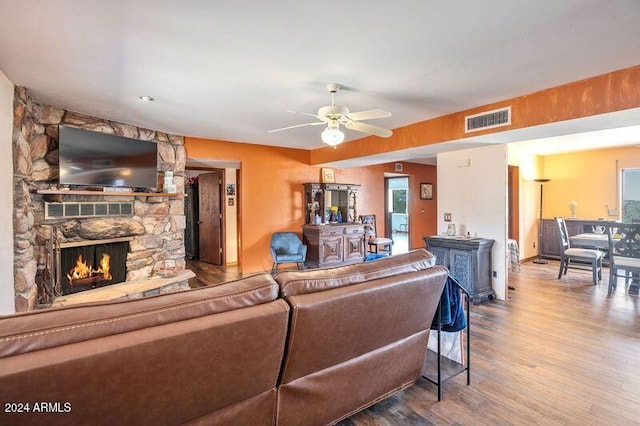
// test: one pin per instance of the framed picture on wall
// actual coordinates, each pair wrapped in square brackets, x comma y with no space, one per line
[231,189]
[328,175]
[426,191]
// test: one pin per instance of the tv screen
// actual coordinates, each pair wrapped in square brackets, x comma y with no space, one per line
[99,159]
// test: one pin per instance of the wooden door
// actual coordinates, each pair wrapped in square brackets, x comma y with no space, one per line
[210,218]
[514,202]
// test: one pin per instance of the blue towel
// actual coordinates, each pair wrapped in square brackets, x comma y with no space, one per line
[375,256]
[453,317]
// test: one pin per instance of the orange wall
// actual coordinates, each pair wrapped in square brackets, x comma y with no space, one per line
[587,177]
[271,196]
[615,91]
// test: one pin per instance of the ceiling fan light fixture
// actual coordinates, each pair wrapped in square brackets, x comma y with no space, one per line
[332,135]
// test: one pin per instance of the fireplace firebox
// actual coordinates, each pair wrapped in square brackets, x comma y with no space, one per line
[85,265]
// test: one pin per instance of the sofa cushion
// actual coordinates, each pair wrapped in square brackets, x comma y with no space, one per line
[301,282]
[331,327]
[37,330]
[357,334]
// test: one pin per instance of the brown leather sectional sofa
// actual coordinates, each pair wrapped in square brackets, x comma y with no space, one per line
[312,348]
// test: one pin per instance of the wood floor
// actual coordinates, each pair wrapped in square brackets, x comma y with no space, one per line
[558,352]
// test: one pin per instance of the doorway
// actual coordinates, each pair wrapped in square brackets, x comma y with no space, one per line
[397,212]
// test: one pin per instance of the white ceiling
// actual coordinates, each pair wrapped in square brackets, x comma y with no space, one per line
[230,70]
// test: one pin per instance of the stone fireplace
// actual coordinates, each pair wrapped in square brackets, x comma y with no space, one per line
[149,228]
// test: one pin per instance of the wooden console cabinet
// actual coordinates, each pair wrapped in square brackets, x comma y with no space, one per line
[333,245]
[550,235]
[468,260]
[319,197]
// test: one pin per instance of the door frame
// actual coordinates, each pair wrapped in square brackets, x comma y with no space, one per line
[223,221]
[388,225]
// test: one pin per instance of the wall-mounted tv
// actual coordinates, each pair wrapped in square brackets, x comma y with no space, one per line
[99,159]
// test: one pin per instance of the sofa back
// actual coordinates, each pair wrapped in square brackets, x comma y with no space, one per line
[357,334]
[209,355]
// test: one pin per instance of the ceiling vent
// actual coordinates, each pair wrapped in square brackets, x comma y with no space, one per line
[488,120]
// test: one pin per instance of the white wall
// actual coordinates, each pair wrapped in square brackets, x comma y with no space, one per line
[472,186]
[7,303]
[231,216]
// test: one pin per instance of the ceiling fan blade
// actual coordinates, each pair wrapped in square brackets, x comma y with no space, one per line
[368,128]
[368,115]
[307,113]
[315,123]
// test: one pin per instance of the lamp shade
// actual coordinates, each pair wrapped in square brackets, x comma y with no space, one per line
[332,136]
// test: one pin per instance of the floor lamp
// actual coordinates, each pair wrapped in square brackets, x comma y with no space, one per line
[540,260]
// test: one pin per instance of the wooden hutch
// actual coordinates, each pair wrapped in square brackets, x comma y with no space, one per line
[331,241]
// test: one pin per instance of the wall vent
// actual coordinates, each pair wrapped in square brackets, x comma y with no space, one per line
[487,120]
[82,210]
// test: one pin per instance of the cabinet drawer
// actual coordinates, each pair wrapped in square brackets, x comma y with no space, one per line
[329,231]
[354,230]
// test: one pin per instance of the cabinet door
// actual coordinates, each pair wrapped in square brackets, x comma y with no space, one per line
[461,268]
[331,250]
[441,254]
[354,247]
[550,238]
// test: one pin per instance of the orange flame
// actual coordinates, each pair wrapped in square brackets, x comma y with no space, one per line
[104,266]
[83,270]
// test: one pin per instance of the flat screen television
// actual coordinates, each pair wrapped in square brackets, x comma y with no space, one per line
[99,159]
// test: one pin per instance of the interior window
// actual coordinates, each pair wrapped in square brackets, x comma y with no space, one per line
[631,195]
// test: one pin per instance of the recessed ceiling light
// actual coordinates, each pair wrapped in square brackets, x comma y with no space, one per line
[146,98]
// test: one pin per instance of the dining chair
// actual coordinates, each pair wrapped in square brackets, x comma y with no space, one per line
[374,243]
[624,253]
[580,256]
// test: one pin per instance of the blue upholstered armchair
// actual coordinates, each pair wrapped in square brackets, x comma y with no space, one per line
[286,247]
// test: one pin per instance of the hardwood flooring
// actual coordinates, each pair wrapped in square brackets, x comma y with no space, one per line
[208,274]
[559,352]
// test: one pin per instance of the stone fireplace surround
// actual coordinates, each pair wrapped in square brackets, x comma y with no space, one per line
[156,259]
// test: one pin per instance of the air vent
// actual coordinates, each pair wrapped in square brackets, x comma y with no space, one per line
[79,210]
[487,120]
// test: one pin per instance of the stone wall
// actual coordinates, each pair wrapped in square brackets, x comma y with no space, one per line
[158,223]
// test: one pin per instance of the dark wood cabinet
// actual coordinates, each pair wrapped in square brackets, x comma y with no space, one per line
[550,237]
[319,197]
[468,260]
[332,240]
[333,245]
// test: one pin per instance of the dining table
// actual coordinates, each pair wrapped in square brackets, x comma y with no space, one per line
[590,240]
[601,242]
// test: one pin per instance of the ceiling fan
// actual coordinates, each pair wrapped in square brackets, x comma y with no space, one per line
[334,115]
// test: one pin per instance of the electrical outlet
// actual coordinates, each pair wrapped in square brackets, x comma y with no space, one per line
[534,244]
[495,274]
[447,217]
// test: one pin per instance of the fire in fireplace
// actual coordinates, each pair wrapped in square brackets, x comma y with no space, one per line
[82,273]
[91,266]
